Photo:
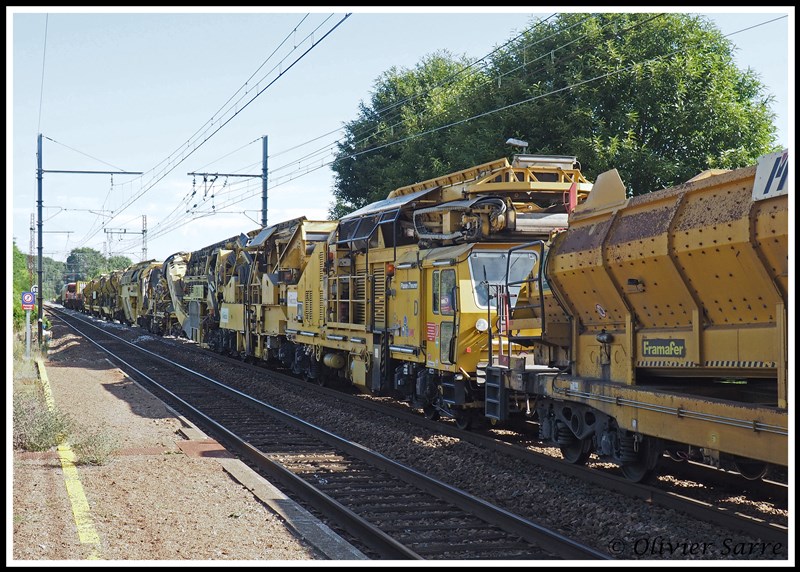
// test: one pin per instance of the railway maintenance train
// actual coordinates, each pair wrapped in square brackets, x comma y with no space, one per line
[626,327]
[71,295]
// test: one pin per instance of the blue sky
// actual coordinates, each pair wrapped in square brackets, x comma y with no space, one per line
[140,91]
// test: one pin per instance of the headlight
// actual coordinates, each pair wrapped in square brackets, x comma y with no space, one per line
[481,325]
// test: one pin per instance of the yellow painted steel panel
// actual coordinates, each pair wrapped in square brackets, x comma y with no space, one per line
[231,317]
[686,266]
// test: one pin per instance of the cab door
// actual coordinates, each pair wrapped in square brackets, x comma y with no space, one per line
[408,308]
[441,312]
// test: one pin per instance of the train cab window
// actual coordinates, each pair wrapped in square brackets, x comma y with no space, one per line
[443,292]
[447,294]
[435,291]
[445,339]
[490,267]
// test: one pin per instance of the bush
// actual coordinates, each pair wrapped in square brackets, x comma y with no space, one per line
[94,447]
[37,428]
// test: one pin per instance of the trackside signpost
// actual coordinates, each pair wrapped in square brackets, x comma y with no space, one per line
[28,302]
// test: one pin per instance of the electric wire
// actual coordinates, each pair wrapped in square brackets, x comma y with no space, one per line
[327,149]
[282,72]
[246,195]
[41,90]
[275,182]
[238,110]
[630,67]
[448,80]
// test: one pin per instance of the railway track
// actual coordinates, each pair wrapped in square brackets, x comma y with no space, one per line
[396,511]
[726,515]
[667,495]
[679,497]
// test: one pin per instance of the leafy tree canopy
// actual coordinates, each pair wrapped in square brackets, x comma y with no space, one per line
[118,263]
[88,263]
[21,282]
[26,274]
[656,96]
[82,264]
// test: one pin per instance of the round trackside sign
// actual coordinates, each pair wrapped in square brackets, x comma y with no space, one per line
[28,299]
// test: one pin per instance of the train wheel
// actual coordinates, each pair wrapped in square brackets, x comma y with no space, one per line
[751,470]
[430,412]
[643,466]
[577,452]
[463,420]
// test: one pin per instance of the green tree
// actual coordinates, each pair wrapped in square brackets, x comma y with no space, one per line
[656,96]
[52,277]
[405,103]
[118,263]
[24,280]
[85,264]
[21,283]
[82,264]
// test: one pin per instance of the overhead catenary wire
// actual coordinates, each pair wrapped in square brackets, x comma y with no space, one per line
[186,153]
[41,90]
[170,221]
[276,183]
[180,212]
[365,136]
[292,176]
[393,105]
[628,68]
[237,112]
[234,199]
